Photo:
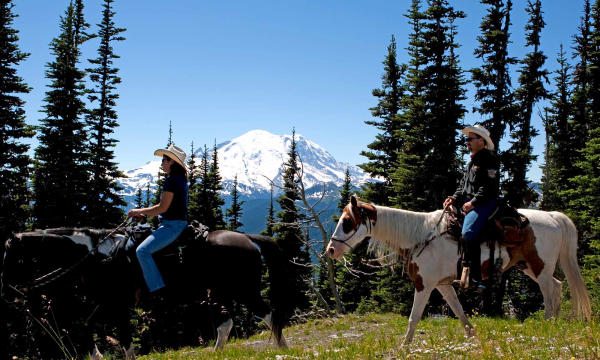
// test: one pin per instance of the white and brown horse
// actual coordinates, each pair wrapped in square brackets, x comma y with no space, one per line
[551,236]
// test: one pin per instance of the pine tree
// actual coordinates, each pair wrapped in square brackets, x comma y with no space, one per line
[148,201]
[104,204]
[138,201]
[382,151]
[198,206]
[234,213]
[288,230]
[492,79]
[407,192]
[268,231]
[443,95]
[193,176]
[531,90]
[60,181]
[215,201]
[14,161]
[559,148]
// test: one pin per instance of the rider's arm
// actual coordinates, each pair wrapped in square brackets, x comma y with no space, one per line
[165,201]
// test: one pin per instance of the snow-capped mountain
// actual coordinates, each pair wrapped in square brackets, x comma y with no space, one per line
[256,157]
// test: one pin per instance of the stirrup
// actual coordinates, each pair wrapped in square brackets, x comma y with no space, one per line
[463,283]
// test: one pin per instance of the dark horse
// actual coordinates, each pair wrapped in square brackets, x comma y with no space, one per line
[58,268]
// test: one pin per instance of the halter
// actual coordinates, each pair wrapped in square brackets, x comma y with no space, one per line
[362,217]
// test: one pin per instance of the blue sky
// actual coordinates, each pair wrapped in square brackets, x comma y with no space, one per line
[218,69]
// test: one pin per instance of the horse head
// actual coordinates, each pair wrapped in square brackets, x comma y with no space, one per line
[356,224]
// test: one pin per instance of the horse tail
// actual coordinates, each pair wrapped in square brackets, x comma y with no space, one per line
[279,278]
[580,299]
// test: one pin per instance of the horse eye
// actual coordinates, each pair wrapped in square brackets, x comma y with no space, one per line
[346,225]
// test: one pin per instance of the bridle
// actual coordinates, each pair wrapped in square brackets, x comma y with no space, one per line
[364,219]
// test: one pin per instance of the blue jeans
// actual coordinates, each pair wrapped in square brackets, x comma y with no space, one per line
[475,221]
[168,231]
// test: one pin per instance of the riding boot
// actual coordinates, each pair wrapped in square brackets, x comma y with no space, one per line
[473,254]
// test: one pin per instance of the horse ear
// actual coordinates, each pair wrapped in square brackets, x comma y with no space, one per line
[353,200]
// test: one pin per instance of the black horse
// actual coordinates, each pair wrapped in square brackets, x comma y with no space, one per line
[91,281]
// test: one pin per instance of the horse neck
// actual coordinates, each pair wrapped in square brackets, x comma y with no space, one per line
[402,229]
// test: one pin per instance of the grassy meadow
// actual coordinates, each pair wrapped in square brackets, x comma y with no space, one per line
[379,336]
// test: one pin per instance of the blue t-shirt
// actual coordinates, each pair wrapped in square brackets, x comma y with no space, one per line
[178,208]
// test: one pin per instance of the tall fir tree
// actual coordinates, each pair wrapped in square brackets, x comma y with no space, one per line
[215,200]
[138,200]
[382,151]
[104,204]
[198,206]
[581,85]
[191,163]
[492,79]
[234,212]
[270,219]
[148,200]
[60,181]
[14,161]
[288,229]
[407,191]
[443,95]
[557,167]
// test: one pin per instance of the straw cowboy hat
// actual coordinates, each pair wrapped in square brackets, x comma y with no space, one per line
[175,153]
[481,131]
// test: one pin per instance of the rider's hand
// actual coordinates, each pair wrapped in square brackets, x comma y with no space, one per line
[135,213]
[449,201]
[467,207]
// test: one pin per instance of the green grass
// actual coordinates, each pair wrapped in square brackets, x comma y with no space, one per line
[379,336]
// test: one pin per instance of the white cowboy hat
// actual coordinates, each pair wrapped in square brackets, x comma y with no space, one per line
[175,153]
[481,131]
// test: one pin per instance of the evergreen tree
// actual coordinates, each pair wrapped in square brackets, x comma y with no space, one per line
[581,86]
[492,79]
[148,201]
[531,90]
[14,161]
[288,229]
[268,231]
[193,176]
[215,201]
[234,213]
[60,181]
[198,206]
[408,193]
[139,203]
[382,151]
[559,148]
[443,95]
[104,204]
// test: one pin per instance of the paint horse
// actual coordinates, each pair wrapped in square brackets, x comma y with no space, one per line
[432,263]
[230,264]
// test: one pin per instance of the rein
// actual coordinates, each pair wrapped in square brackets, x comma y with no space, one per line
[58,273]
[423,245]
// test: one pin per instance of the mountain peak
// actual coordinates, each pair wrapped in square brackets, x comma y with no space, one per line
[256,157]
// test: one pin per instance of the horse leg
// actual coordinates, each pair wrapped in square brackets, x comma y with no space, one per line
[451,298]
[551,289]
[223,334]
[96,355]
[419,302]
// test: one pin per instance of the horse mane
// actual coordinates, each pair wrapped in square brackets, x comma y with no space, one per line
[398,232]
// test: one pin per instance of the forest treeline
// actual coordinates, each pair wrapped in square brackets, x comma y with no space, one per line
[417,154]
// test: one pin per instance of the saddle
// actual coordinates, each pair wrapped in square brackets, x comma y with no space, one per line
[505,226]
[193,234]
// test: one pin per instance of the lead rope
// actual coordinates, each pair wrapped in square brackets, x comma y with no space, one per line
[57,274]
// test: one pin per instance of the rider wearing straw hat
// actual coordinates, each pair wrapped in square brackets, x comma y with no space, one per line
[477,196]
[173,210]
